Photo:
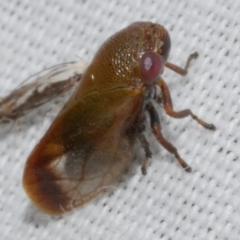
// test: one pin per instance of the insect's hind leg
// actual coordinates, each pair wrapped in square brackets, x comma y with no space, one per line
[148,153]
[157,131]
[168,106]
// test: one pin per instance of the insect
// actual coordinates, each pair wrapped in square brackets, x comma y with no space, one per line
[90,142]
[44,88]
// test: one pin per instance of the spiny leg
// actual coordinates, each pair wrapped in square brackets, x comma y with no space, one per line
[148,153]
[179,70]
[168,106]
[157,131]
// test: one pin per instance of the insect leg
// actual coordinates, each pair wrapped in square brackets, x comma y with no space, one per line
[157,97]
[179,70]
[168,106]
[148,153]
[157,131]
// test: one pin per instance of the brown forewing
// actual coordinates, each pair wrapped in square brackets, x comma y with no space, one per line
[74,161]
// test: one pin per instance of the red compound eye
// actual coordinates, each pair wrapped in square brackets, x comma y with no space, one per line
[151,66]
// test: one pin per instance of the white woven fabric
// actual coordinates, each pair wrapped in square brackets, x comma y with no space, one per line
[167,203]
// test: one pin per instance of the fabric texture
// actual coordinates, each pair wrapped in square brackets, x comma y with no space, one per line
[167,203]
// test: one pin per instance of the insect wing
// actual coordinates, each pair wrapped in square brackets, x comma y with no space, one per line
[44,87]
[83,152]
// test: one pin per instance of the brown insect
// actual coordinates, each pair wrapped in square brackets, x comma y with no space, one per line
[91,141]
[56,82]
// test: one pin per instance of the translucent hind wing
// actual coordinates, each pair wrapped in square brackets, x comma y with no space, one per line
[42,88]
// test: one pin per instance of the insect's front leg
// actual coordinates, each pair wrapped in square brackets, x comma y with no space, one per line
[179,70]
[157,131]
[168,106]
